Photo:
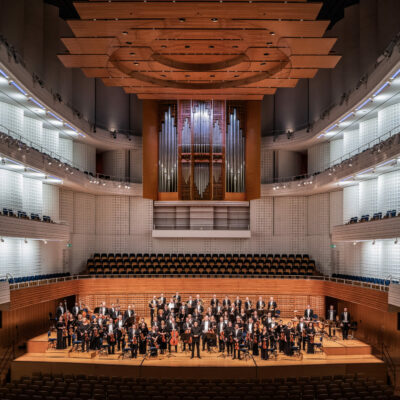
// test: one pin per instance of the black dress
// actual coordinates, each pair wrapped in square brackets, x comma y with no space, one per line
[60,335]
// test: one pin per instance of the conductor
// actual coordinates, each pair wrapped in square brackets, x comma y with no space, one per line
[196,333]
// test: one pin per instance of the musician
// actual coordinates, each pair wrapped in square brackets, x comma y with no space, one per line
[177,299]
[289,339]
[199,307]
[152,305]
[95,339]
[214,302]
[173,333]
[161,316]
[71,322]
[233,313]
[221,327]
[260,306]
[308,313]
[205,329]
[143,333]
[248,305]
[243,316]
[195,334]
[117,313]
[85,334]
[255,338]
[111,337]
[280,330]
[111,312]
[229,338]
[237,340]
[187,328]
[255,316]
[129,313]
[60,310]
[103,309]
[264,343]
[61,333]
[226,303]
[133,335]
[153,341]
[183,313]
[197,315]
[310,338]
[161,301]
[190,305]
[331,316]
[163,337]
[345,323]
[198,300]
[76,310]
[302,333]
[238,304]
[171,305]
[119,325]
[271,306]
[209,313]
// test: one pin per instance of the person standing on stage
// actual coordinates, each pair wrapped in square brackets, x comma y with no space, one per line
[196,333]
[264,342]
[153,306]
[331,316]
[237,340]
[302,333]
[271,306]
[133,335]
[345,323]
[61,337]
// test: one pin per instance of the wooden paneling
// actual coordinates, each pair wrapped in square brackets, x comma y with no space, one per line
[24,323]
[150,149]
[25,228]
[124,10]
[381,229]
[253,150]
[284,28]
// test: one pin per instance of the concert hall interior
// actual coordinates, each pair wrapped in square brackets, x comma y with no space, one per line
[199,199]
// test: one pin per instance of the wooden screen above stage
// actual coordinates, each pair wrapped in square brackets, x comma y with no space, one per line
[203,150]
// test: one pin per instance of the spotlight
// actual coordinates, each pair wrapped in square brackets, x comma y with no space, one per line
[45,241]
[354,243]
[182,19]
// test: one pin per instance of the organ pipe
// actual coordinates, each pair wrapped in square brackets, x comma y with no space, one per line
[235,156]
[168,154]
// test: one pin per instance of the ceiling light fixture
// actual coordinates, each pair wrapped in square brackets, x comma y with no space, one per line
[214,19]
[182,19]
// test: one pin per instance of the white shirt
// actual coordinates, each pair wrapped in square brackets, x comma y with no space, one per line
[331,315]
[206,326]
[345,317]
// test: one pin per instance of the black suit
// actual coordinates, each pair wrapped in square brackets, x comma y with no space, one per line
[331,317]
[308,313]
[238,305]
[196,333]
[272,307]
[345,319]
[126,314]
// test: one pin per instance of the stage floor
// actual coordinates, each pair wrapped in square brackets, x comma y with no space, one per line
[337,357]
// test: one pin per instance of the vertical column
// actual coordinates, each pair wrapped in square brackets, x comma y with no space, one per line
[253,150]
[150,149]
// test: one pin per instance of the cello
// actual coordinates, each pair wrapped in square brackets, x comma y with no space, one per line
[174,338]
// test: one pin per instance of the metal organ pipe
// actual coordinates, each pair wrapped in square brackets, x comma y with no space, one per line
[167,171]
[235,156]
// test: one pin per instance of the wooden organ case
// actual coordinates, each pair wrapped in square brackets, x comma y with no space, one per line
[202,150]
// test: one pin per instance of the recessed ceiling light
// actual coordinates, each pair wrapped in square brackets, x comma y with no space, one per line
[211,46]
[124,32]
[163,46]
[214,19]
[269,43]
[128,43]
[212,76]
[235,47]
[236,76]
[135,63]
[263,63]
[163,75]
[266,54]
[272,33]
[187,46]
[182,19]
[187,76]
[132,54]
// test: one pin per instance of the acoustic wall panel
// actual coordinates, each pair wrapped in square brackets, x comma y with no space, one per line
[51,201]
[335,151]
[67,208]
[135,164]
[368,197]
[11,189]
[33,131]
[11,119]
[84,213]
[388,119]
[267,164]
[32,196]
[335,209]
[84,157]
[389,192]
[50,141]
[368,131]
[318,157]
[111,215]
[66,150]
[115,163]
[350,203]
[350,141]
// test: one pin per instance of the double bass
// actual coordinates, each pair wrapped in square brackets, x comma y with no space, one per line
[174,338]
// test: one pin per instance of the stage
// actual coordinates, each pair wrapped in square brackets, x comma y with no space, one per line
[337,357]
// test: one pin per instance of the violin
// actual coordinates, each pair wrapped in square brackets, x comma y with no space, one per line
[222,336]
[134,340]
[236,344]
[264,343]
[112,337]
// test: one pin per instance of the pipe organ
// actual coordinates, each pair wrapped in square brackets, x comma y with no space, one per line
[201,150]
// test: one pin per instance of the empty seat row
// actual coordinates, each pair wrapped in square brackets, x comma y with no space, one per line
[32,278]
[376,216]
[375,281]
[8,212]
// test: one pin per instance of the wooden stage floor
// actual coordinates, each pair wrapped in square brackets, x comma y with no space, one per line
[337,357]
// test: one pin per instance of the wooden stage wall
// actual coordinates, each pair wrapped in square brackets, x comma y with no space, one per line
[30,306]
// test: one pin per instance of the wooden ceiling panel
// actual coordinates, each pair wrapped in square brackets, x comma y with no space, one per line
[312,61]
[266,83]
[112,28]
[212,49]
[128,10]
[217,96]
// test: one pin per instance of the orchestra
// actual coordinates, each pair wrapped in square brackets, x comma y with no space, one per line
[232,328]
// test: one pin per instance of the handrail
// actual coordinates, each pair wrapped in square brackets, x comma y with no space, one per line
[389,362]
[367,285]
[367,146]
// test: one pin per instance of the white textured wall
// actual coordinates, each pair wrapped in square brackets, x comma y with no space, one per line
[84,157]
[335,151]
[136,164]
[66,150]
[124,224]
[350,141]
[267,164]
[389,191]
[368,131]
[11,189]
[389,119]
[350,203]
[12,118]
[115,163]
[318,157]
